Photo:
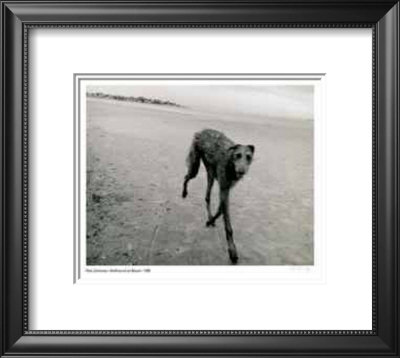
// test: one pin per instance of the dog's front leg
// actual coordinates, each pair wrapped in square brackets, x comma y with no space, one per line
[228,229]
[222,198]
[210,182]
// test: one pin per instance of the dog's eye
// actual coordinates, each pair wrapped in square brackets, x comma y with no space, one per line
[248,157]
[238,155]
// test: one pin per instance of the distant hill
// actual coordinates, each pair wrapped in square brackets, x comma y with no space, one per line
[132,99]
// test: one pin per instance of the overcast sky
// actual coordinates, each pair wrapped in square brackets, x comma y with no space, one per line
[278,101]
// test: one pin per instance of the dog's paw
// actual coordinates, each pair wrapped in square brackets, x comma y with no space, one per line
[210,223]
[234,260]
[233,256]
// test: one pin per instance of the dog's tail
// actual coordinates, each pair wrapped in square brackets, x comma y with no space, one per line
[193,159]
[193,164]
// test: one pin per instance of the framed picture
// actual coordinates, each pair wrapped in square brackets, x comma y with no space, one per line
[200,178]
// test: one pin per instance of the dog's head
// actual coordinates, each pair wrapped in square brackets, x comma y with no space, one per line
[241,157]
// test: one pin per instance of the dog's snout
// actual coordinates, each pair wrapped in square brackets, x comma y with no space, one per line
[241,171]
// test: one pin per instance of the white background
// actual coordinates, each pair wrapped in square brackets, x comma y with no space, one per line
[344,301]
[207,273]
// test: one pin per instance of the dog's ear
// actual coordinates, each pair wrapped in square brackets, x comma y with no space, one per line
[233,148]
[252,148]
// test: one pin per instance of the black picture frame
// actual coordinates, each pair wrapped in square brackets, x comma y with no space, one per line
[18,17]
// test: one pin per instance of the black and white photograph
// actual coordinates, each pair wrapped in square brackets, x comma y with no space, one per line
[199,172]
[200,179]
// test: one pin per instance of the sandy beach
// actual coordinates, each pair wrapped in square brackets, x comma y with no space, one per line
[135,168]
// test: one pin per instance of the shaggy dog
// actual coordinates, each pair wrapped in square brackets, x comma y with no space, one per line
[225,161]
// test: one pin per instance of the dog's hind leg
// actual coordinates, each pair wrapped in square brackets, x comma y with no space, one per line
[193,163]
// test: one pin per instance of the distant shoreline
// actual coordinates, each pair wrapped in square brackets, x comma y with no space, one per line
[133,99]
